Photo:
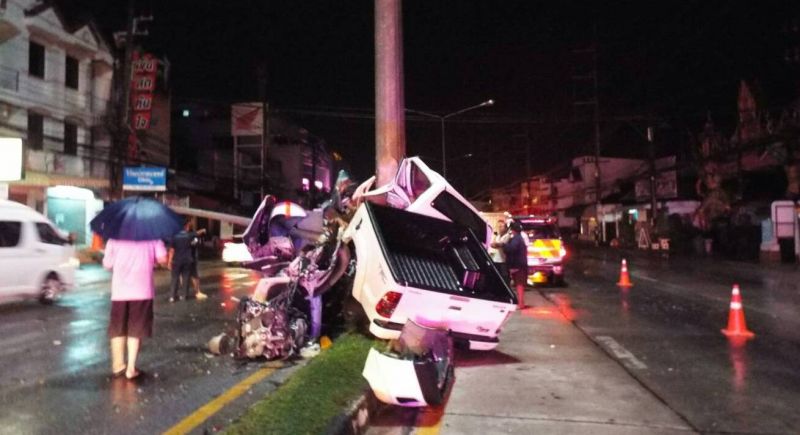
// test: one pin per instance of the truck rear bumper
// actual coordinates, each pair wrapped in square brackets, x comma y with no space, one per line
[391,330]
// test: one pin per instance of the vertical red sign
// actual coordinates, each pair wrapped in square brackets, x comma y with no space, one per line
[143,83]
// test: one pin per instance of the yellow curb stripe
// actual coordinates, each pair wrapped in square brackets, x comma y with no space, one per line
[430,430]
[203,413]
[435,415]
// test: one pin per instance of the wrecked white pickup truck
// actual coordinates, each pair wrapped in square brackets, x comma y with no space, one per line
[423,258]
[424,279]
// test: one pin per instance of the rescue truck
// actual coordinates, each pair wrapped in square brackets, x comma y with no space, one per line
[546,250]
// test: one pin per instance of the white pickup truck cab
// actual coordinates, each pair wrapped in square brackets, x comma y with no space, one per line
[421,256]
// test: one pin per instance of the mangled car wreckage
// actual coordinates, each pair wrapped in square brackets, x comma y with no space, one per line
[414,257]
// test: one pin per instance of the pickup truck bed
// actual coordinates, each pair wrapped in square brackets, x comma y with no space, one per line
[444,274]
[437,255]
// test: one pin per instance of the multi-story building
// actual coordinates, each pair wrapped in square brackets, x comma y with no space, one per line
[55,85]
[221,146]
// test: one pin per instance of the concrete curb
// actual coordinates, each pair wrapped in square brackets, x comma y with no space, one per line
[355,419]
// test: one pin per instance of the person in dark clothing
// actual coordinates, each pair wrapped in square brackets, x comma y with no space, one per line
[517,261]
[181,260]
[195,269]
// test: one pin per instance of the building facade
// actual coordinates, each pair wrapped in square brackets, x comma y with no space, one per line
[55,85]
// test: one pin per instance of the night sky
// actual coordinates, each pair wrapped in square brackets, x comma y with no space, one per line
[676,60]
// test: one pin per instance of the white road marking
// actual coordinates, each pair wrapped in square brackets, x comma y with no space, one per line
[622,354]
[646,278]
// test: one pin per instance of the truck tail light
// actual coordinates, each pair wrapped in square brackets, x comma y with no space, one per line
[385,307]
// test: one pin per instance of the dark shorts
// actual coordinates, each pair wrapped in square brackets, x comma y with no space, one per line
[131,319]
[193,270]
[519,276]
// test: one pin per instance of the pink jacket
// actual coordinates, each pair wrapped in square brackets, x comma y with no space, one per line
[131,263]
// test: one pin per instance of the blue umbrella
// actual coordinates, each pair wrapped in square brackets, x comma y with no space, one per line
[136,218]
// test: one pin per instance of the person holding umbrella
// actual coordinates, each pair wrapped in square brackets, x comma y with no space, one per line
[134,228]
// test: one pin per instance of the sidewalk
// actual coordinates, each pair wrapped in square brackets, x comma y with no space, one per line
[546,377]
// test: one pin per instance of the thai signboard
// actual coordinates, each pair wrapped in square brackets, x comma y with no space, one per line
[247,119]
[11,163]
[143,83]
[145,179]
[666,186]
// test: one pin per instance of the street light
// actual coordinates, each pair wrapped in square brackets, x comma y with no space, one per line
[442,118]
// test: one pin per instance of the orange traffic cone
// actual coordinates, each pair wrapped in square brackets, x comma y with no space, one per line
[736,325]
[624,278]
[97,243]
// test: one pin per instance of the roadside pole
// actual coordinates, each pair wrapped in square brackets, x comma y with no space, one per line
[118,150]
[390,121]
[653,204]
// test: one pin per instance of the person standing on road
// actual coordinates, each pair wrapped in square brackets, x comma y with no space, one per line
[516,252]
[194,273]
[500,238]
[132,292]
[181,260]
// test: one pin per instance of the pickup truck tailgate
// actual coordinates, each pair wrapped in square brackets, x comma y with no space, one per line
[458,313]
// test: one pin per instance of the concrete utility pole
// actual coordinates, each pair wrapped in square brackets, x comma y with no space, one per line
[653,203]
[263,78]
[593,101]
[123,107]
[120,144]
[390,121]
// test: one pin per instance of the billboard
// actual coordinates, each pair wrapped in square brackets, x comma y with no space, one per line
[666,186]
[247,119]
[11,163]
[144,179]
[143,84]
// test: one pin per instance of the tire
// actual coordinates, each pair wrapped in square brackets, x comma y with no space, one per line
[51,289]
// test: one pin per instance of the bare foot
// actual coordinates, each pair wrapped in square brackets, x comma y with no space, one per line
[135,374]
[118,371]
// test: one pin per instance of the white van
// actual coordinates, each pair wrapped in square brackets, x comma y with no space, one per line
[36,259]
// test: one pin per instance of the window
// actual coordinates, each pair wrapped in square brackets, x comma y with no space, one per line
[458,212]
[35,131]
[49,235]
[36,60]
[10,233]
[72,76]
[541,231]
[419,182]
[70,139]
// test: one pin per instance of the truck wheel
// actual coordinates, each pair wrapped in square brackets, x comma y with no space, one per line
[51,289]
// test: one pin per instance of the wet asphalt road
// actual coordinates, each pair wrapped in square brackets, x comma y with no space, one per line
[54,364]
[666,332]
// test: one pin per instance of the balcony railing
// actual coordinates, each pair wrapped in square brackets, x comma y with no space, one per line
[9,79]
[50,94]
[59,163]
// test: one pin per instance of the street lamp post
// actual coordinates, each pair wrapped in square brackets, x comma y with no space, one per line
[441,119]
